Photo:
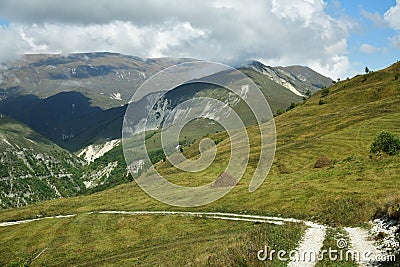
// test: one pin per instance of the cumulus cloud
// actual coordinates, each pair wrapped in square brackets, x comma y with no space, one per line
[369,49]
[375,18]
[392,17]
[280,32]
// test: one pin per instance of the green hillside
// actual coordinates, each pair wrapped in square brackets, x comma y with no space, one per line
[342,129]
[32,168]
[322,171]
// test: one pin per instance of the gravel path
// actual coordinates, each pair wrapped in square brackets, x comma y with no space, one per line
[309,246]
[365,248]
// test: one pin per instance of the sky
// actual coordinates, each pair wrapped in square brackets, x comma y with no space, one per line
[337,38]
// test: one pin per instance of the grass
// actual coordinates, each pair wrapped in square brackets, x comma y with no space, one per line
[123,240]
[331,243]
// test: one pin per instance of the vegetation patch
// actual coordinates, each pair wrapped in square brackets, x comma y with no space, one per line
[385,142]
[322,162]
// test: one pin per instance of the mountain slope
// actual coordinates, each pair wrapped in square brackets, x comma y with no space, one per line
[32,168]
[346,190]
[81,99]
[107,79]
[298,79]
[66,118]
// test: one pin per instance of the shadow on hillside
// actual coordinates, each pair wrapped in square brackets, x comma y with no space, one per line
[67,118]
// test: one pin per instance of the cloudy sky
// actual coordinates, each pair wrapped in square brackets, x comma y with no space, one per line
[335,37]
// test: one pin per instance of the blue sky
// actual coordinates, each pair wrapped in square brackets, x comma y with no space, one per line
[368,32]
[3,23]
[334,37]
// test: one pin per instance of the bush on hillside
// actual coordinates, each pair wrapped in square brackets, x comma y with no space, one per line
[292,106]
[279,112]
[324,92]
[385,142]
[322,161]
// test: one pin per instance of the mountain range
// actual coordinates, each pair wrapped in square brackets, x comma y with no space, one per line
[76,103]
[69,98]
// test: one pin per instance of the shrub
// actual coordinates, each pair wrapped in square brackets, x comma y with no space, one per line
[321,102]
[386,142]
[322,161]
[324,92]
[396,76]
[292,106]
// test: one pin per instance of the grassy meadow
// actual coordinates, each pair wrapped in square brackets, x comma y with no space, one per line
[322,171]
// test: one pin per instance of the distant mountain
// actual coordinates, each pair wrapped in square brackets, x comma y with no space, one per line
[106,79]
[80,99]
[110,79]
[32,168]
[298,79]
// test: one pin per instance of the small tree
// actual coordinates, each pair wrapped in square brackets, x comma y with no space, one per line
[386,142]
[292,106]
[279,112]
[324,92]
[366,70]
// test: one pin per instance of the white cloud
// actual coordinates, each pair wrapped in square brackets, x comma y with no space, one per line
[369,49]
[392,17]
[375,18]
[11,44]
[280,32]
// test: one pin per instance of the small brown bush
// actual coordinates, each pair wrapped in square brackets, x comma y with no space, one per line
[321,162]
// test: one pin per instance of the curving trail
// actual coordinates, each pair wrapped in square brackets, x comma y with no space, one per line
[311,242]
[36,219]
[211,215]
[309,247]
[367,253]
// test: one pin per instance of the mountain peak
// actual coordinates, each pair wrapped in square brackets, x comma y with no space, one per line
[298,79]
